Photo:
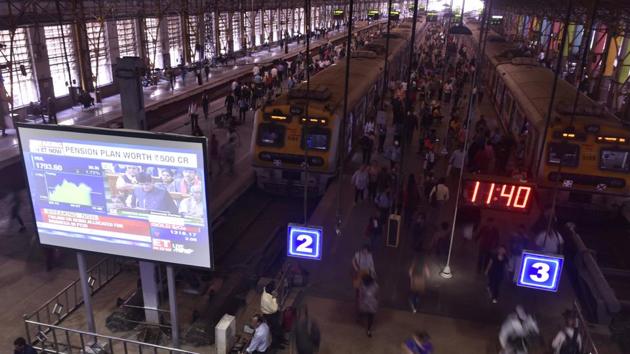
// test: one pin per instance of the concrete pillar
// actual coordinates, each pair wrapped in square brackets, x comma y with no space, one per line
[41,69]
[141,39]
[163,37]
[229,33]
[217,32]
[201,35]
[111,38]
[293,26]
[263,26]
[252,29]
[79,36]
[185,38]
[241,31]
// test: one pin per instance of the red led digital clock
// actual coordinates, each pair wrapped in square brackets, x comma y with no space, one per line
[506,196]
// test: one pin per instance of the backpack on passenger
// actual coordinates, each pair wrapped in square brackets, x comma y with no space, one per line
[570,345]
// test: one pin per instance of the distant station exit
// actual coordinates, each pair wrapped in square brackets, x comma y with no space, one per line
[304,241]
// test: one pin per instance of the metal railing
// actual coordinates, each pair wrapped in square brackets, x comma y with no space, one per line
[59,340]
[70,298]
[588,346]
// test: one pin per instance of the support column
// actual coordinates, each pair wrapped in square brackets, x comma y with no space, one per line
[140,28]
[83,56]
[263,27]
[185,38]
[241,31]
[41,69]
[252,30]
[229,33]
[163,37]
[111,38]
[217,32]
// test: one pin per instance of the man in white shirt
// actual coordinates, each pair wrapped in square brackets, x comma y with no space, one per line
[261,341]
[551,242]
[516,328]
[440,191]
[456,162]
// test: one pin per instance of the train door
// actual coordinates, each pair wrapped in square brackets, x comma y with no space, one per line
[349,133]
[532,139]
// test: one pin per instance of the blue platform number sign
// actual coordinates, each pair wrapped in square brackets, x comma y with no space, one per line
[304,242]
[540,271]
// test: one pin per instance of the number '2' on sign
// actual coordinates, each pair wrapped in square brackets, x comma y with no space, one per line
[540,271]
[304,242]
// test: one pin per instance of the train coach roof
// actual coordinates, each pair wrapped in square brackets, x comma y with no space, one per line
[534,84]
[363,73]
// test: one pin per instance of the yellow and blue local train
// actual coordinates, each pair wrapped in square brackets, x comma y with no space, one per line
[282,127]
[585,153]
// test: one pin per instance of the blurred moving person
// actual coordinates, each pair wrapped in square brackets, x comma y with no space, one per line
[518,329]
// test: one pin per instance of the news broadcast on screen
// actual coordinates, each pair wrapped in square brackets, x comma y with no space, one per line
[136,194]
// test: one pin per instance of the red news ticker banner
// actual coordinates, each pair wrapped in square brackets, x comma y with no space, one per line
[96,222]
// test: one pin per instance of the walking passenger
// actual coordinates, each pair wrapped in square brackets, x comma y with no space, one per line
[495,271]
[418,275]
[368,301]
[488,239]
[568,340]
[419,343]
[360,180]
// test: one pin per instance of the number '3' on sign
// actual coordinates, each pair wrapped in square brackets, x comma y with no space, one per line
[540,271]
[304,242]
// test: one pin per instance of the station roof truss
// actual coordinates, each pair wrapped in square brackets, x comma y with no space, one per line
[17,13]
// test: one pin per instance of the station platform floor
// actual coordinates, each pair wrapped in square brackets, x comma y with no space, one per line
[109,109]
[457,312]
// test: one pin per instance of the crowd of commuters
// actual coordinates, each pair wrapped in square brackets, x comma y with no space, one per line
[429,116]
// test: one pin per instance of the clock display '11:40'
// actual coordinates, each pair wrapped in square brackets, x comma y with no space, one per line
[498,195]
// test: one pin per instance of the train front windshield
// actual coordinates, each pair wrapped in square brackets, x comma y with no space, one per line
[568,153]
[271,135]
[317,139]
[615,160]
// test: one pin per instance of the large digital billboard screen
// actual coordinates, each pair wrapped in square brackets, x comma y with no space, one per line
[119,192]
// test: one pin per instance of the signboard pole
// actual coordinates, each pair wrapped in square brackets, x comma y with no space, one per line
[132,102]
[86,291]
[172,302]
[149,291]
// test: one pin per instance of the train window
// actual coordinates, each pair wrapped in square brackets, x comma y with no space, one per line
[614,160]
[271,135]
[518,121]
[569,154]
[317,139]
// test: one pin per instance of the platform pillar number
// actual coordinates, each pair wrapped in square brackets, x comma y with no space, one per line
[540,271]
[304,242]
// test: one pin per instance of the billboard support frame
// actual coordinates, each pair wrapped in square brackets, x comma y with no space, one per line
[86,291]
